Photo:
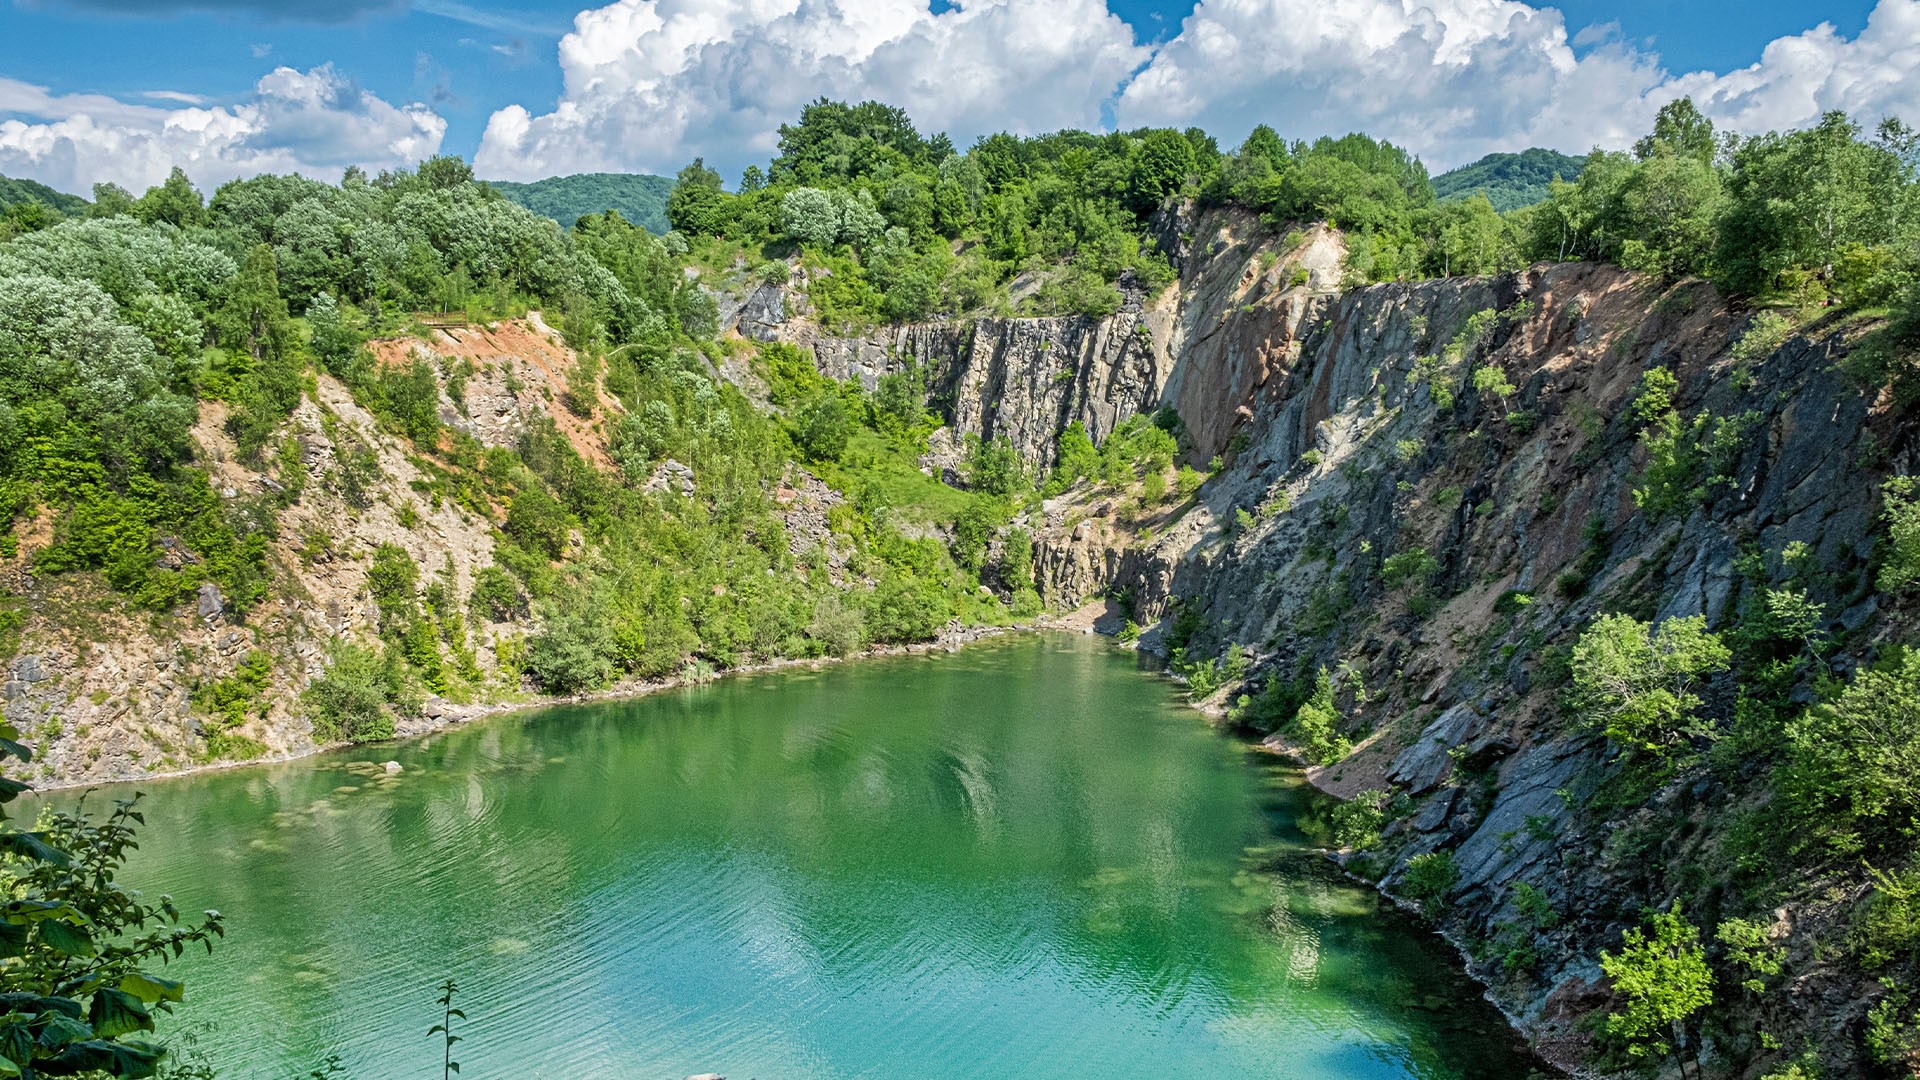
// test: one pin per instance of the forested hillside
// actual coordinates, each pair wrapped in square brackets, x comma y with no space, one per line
[639,198]
[299,463]
[1510,181]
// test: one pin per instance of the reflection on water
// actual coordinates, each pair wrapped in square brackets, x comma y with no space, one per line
[1023,860]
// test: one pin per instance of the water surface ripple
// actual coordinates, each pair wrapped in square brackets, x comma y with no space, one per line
[1025,860]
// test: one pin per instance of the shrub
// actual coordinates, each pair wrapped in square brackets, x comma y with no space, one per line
[391,575]
[1411,567]
[1429,878]
[1765,334]
[348,702]
[1853,764]
[821,427]
[1535,905]
[904,609]
[538,521]
[573,652]
[1664,979]
[1751,948]
[1900,498]
[1638,683]
[1358,821]
[496,596]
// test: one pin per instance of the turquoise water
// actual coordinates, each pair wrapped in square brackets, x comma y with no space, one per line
[1023,860]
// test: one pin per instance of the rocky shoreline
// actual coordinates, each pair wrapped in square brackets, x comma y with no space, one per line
[439,715]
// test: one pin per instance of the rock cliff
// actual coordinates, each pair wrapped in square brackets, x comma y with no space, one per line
[1437,542]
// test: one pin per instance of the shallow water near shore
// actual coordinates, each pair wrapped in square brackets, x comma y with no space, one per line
[1025,859]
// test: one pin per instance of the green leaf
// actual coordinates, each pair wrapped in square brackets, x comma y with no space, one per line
[27,912]
[16,1039]
[129,1060]
[61,1029]
[34,846]
[66,938]
[8,1068]
[13,939]
[117,1013]
[151,988]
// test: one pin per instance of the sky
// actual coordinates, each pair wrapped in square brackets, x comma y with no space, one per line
[121,90]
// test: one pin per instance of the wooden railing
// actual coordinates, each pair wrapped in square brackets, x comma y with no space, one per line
[441,320]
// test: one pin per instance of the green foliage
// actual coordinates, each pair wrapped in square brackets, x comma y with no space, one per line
[1752,951]
[1356,823]
[993,466]
[1900,502]
[1535,905]
[1892,1035]
[1639,684]
[80,981]
[348,703]
[1664,979]
[637,197]
[1764,335]
[1429,877]
[821,426]
[496,596]
[1853,763]
[229,700]
[538,521]
[1413,567]
[1315,724]
[1509,181]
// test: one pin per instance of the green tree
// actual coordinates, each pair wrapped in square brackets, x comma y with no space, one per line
[1664,980]
[696,205]
[1900,509]
[538,521]
[1161,165]
[574,651]
[1853,764]
[1639,683]
[348,702]
[174,202]
[82,948]
[821,427]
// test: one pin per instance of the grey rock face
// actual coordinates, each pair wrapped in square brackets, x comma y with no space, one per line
[1420,766]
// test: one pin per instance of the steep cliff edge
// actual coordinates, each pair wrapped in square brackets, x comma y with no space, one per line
[1206,347]
[1436,539]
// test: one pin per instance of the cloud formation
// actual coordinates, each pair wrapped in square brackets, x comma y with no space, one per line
[316,122]
[1454,79]
[649,84]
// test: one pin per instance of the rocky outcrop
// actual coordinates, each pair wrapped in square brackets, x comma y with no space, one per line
[107,693]
[1206,346]
[1355,435]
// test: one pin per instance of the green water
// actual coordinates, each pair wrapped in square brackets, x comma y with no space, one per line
[1026,860]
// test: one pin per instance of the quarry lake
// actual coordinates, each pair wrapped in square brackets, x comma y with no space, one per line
[1027,859]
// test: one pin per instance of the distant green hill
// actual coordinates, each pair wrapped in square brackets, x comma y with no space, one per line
[640,198]
[1510,181]
[19,191]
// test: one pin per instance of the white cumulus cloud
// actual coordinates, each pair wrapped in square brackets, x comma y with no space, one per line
[317,122]
[1455,79]
[649,84]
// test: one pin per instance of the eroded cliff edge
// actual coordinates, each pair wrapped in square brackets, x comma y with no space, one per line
[1429,490]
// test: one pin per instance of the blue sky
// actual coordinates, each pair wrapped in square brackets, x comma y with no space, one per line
[106,89]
